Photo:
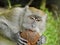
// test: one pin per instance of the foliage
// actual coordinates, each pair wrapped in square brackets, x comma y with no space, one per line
[51,30]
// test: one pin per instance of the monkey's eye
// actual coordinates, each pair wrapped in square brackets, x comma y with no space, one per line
[38,19]
[31,17]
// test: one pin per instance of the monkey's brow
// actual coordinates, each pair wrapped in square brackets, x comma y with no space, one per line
[36,16]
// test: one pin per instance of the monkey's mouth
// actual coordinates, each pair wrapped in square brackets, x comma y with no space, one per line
[30,30]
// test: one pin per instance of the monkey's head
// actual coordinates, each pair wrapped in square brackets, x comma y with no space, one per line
[34,20]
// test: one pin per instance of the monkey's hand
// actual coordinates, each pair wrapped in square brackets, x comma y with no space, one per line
[20,40]
[42,40]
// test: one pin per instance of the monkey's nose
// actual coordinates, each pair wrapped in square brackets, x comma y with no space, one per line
[33,26]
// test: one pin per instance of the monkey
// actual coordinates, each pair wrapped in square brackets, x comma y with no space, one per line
[20,19]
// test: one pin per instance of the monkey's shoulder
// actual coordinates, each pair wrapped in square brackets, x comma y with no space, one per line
[9,13]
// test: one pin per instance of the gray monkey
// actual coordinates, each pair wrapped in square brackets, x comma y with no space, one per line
[20,20]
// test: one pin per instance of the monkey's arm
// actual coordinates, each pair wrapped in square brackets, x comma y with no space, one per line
[6,31]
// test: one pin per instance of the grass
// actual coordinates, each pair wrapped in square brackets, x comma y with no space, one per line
[51,30]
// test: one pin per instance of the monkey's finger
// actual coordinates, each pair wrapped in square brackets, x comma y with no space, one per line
[22,42]
[43,38]
[18,43]
[21,38]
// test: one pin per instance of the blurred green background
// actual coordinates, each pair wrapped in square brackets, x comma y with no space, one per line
[52,30]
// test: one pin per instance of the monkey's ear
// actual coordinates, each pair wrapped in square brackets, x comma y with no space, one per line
[44,17]
[26,7]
